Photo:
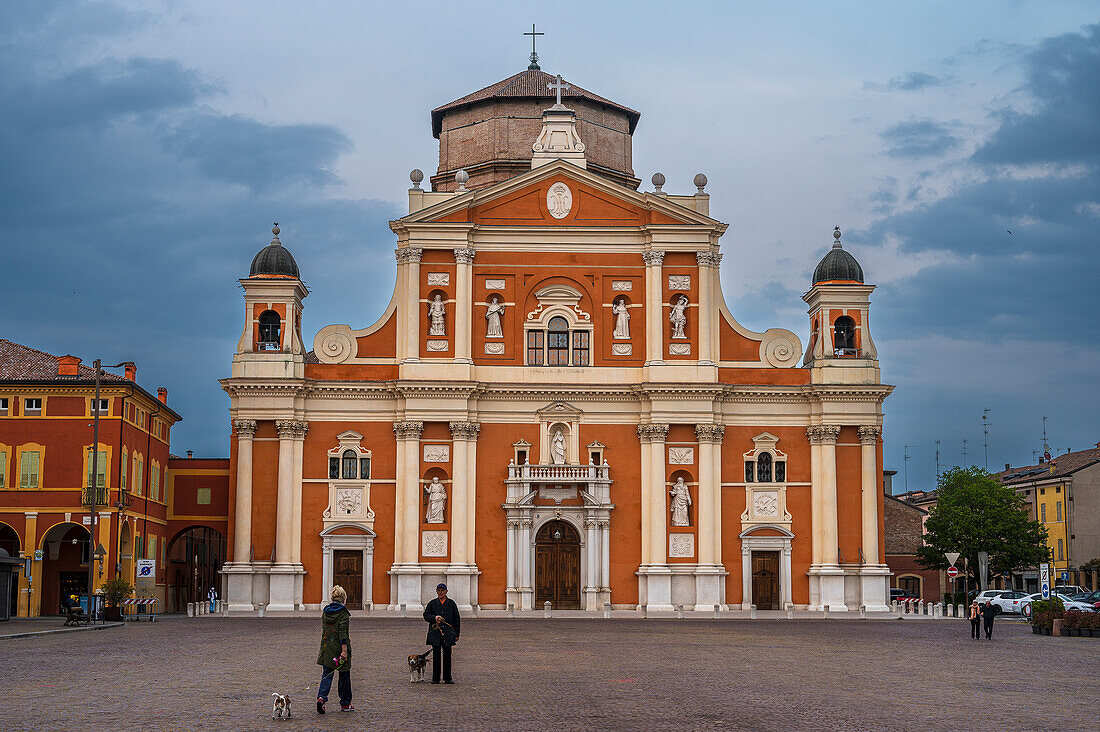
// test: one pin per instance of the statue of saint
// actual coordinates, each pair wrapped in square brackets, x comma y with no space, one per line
[622,318]
[437,496]
[557,447]
[681,499]
[492,315]
[437,311]
[678,318]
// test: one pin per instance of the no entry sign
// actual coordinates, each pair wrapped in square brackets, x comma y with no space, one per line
[952,572]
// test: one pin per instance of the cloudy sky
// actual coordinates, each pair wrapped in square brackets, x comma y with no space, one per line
[146,148]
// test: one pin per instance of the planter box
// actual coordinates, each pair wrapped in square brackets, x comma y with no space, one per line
[1045,631]
[1035,629]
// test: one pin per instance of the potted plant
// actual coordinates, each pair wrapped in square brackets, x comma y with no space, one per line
[1071,623]
[115,590]
[1090,623]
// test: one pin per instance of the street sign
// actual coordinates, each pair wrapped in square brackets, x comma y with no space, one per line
[952,572]
[146,568]
[1065,576]
[38,555]
[1044,580]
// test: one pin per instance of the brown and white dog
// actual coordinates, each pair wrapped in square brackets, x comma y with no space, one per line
[416,666]
[279,703]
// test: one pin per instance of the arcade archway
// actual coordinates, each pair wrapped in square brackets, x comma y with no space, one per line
[195,556]
[65,553]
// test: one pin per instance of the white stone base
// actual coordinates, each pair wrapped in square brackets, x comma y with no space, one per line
[827,587]
[874,587]
[278,587]
[413,585]
[654,587]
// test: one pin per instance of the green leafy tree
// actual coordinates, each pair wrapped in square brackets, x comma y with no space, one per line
[974,512]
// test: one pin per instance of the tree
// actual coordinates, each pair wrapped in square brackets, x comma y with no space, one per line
[974,512]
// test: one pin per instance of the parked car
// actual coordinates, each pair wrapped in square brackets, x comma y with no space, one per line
[897,594]
[1009,601]
[987,596]
[1069,590]
[1025,604]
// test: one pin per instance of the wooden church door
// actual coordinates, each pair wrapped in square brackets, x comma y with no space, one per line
[558,566]
[347,571]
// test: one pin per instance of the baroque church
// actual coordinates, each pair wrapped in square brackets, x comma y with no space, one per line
[556,405]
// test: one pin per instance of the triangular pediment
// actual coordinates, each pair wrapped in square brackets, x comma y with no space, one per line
[536,198]
[559,410]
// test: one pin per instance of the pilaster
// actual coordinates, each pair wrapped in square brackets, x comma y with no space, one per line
[825,573]
[408,316]
[654,307]
[464,260]
[708,307]
[405,573]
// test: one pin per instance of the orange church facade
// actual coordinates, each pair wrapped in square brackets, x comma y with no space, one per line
[556,406]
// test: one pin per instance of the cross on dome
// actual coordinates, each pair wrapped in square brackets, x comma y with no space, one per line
[558,86]
[534,56]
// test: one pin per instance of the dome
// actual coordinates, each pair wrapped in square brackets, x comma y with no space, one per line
[274,260]
[838,264]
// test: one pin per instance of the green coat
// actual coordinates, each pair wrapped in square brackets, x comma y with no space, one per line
[335,619]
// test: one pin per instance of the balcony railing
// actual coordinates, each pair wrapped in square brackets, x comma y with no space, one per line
[98,494]
[558,473]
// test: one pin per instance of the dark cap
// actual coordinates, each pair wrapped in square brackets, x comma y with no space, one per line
[440,586]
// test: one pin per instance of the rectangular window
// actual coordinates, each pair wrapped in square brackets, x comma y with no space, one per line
[122,471]
[32,407]
[100,467]
[3,406]
[3,469]
[139,547]
[1058,489]
[154,480]
[152,547]
[364,468]
[100,408]
[1059,550]
[29,470]
[203,496]
[333,468]
[781,472]
[521,457]
[137,475]
[534,347]
[162,554]
[1058,511]
[580,347]
[750,471]
[557,348]
[1043,512]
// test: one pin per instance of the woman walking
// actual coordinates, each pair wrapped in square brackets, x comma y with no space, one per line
[975,621]
[443,630]
[335,653]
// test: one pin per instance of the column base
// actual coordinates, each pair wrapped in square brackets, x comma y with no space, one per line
[827,587]
[240,579]
[462,585]
[874,582]
[654,587]
[284,581]
[710,580]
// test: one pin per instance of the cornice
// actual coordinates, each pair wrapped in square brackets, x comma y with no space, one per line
[873,393]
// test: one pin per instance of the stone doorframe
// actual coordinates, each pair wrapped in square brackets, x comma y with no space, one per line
[780,543]
[364,542]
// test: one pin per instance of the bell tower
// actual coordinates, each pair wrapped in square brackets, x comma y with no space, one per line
[840,335]
[271,340]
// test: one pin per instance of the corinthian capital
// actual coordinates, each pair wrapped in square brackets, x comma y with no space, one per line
[408,430]
[709,433]
[708,259]
[464,255]
[869,434]
[409,254]
[652,432]
[245,428]
[822,434]
[653,257]
[465,430]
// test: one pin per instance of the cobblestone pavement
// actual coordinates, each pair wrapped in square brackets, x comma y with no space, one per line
[574,674]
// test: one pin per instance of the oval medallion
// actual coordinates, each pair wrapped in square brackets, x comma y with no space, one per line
[559,200]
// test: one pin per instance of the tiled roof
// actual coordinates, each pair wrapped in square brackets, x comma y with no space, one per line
[531,84]
[23,363]
[1057,467]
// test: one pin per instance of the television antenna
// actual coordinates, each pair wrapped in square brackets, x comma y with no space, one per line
[905,462]
[985,432]
[964,452]
[937,461]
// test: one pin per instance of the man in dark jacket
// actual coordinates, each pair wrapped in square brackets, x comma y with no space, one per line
[441,615]
[335,653]
[989,612]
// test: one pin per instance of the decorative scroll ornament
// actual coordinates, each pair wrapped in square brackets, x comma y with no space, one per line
[437,453]
[559,200]
[621,349]
[437,345]
[679,349]
[434,543]
[494,349]
[766,504]
[349,501]
[494,284]
[780,348]
[336,346]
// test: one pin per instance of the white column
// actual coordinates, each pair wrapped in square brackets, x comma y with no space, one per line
[399,503]
[658,520]
[814,435]
[605,552]
[524,559]
[643,437]
[406,571]
[708,305]
[829,536]
[785,578]
[242,524]
[746,577]
[299,449]
[284,506]
[704,508]
[459,488]
[409,315]
[592,566]
[868,438]
[473,429]
[510,565]
[464,259]
[654,306]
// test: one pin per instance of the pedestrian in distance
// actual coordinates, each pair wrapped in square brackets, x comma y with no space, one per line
[335,653]
[975,621]
[989,612]
[441,614]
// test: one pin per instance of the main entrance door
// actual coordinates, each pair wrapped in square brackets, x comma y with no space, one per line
[347,571]
[558,566]
[765,580]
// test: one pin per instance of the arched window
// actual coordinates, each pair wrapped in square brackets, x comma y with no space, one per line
[270,327]
[557,342]
[349,465]
[844,336]
[764,468]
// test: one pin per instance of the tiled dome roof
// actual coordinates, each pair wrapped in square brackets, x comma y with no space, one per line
[838,264]
[274,260]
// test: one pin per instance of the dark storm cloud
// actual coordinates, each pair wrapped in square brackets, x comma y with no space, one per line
[919,138]
[912,81]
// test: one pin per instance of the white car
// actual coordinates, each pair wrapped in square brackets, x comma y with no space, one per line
[1025,604]
[1009,601]
[988,596]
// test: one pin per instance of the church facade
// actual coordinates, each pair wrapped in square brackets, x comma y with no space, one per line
[557,404]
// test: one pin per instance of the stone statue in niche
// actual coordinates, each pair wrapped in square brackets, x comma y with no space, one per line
[678,317]
[492,316]
[437,311]
[681,499]
[622,318]
[437,496]
[557,447]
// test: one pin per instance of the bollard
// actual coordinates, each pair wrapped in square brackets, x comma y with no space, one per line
[790,611]
[260,609]
[679,612]
[920,608]
[511,610]
[190,609]
[607,611]
[546,609]
[959,611]
[225,609]
[862,612]
[826,611]
[752,612]
[717,612]
[893,606]
[645,612]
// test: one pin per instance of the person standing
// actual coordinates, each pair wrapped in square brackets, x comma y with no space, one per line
[441,615]
[335,653]
[975,621]
[989,612]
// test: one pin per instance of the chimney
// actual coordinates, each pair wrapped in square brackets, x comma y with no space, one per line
[162,394]
[131,371]
[68,365]
[1007,467]
[190,454]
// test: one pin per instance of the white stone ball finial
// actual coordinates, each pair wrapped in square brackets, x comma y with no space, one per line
[700,181]
[462,177]
[416,175]
[658,181]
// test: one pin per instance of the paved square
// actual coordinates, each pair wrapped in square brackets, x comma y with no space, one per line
[533,674]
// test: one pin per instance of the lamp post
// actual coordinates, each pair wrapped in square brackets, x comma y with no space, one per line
[92,501]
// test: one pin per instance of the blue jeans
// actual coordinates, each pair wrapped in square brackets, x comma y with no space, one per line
[343,686]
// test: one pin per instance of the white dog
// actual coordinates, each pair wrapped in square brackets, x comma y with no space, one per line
[279,703]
